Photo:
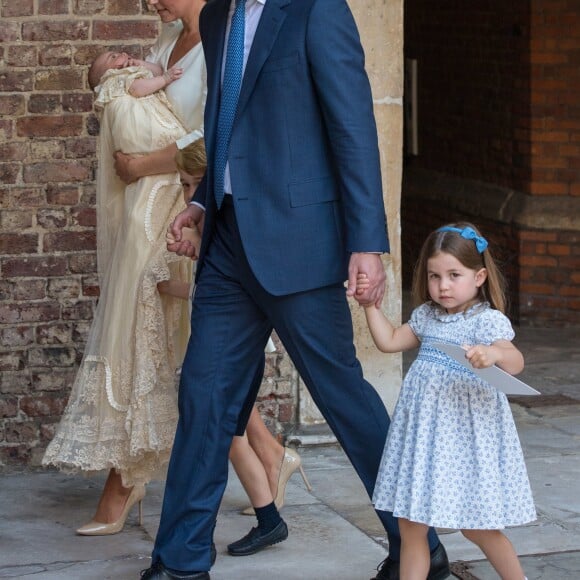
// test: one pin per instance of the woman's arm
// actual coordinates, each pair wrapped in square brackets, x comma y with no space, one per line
[130,168]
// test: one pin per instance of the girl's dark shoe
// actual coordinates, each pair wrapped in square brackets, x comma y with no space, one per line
[439,570]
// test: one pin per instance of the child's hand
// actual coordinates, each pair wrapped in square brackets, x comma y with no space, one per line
[135,62]
[191,235]
[362,283]
[481,356]
[172,74]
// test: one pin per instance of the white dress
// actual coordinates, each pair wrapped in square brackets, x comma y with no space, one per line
[187,94]
[453,457]
[122,411]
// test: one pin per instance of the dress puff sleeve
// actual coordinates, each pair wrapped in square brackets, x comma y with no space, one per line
[419,317]
[493,326]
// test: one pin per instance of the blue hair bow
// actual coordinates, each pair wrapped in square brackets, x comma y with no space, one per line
[469,234]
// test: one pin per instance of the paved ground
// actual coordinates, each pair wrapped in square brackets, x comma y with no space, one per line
[334,533]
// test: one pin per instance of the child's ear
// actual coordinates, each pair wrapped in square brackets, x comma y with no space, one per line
[480,277]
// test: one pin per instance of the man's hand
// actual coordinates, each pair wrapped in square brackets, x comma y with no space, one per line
[176,242]
[373,290]
[123,167]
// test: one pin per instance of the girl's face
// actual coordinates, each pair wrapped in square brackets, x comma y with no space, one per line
[451,285]
[189,184]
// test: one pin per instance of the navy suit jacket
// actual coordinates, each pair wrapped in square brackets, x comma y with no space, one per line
[303,157]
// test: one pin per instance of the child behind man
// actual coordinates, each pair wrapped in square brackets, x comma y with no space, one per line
[191,162]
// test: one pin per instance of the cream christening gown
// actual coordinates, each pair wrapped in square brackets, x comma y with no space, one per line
[122,411]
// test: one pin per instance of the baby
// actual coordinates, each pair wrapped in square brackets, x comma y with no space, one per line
[140,87]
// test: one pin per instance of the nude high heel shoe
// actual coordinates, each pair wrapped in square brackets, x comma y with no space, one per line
[290,463]
[94,528]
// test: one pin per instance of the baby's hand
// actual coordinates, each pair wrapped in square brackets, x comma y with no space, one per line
[362,283]
[135,62]
[481,356]
[172,74]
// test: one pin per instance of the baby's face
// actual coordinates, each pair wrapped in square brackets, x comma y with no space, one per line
[110,60]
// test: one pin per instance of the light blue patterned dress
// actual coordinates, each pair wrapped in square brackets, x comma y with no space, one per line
[453,458]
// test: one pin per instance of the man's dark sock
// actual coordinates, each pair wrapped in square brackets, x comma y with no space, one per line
[268,517]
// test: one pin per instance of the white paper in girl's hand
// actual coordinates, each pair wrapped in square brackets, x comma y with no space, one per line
[493,375]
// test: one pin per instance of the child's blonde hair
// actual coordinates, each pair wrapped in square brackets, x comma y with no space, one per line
[192,159]
[465,250]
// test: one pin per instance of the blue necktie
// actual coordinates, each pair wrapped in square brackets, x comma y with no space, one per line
[229,97]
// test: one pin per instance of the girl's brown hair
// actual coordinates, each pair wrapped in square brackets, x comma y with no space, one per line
[192,159]
[464,250]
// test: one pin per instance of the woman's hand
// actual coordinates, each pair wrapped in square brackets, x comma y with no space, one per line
[190,217]
[125,167]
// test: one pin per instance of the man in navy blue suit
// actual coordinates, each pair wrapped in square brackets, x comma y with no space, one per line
[301,211]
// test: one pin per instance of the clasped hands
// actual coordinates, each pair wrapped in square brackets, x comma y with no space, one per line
[183,236]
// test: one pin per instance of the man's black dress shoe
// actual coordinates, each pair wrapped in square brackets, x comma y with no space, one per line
[439,569]
[159,572]
[255,541]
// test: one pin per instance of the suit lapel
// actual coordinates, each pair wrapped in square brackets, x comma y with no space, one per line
[270,22]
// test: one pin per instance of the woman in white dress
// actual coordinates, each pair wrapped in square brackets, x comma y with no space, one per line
[122,412]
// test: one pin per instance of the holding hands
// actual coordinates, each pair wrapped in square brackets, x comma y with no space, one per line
[182,235]
[366,279]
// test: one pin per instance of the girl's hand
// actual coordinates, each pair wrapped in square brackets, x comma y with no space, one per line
[501,353]
[481,356]
[362,283]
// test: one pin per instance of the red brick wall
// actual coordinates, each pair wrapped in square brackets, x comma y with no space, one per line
[549,277]
[473,87]
[498,86]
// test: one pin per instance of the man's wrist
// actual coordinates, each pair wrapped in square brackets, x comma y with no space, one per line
[197,204]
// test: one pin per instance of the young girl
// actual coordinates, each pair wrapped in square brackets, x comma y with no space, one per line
[453,458]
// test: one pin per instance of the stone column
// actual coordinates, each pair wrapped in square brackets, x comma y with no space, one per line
[381,28]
